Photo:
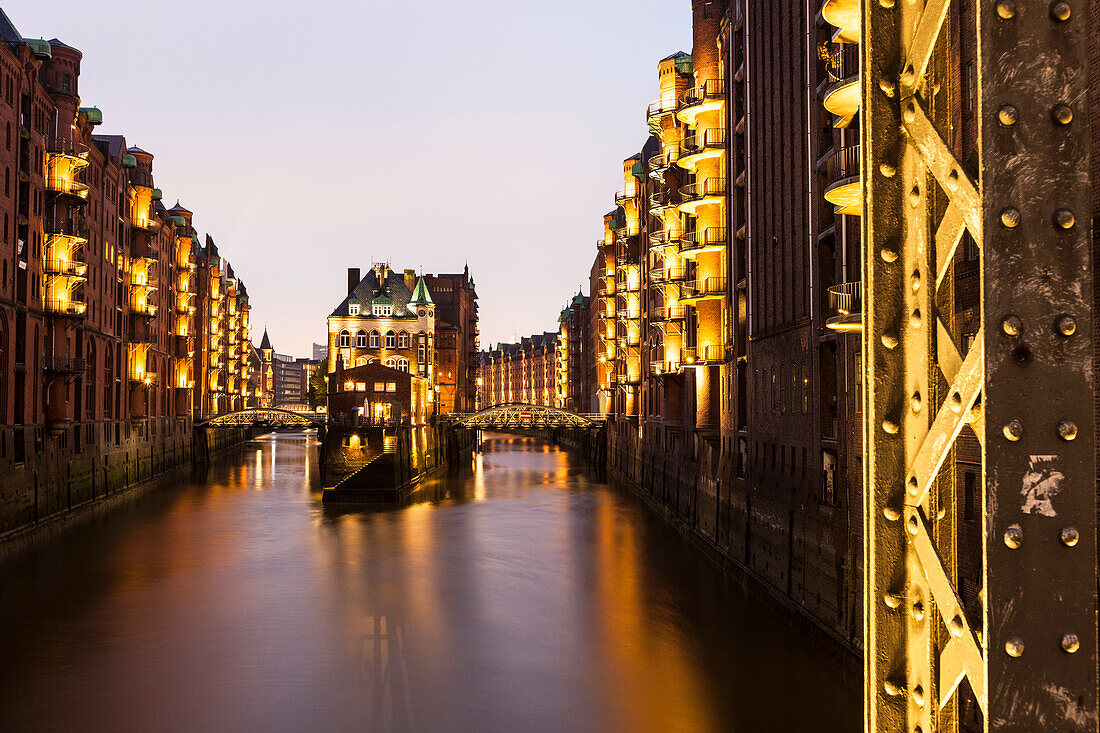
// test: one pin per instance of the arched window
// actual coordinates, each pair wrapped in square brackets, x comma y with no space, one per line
[361,339]
[345,339]
[391,340]
[361,361]
[403,340]
[391,363]
[66,83]
[403,364]
[374,339]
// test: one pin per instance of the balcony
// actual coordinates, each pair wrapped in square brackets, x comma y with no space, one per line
[711,239]
[842,98]
[662,368]
[63,365]
[73,228]
[139,179]
[181,345]
[666,275]
[66,186]
[658,164]
[667,313]
[660,200]
[142,332]
[66,268]
[66,307]
[658,109]
[663,238]
[702,193]
[151,224]
[701,146]
[143,310]
[847,302]
[706,289]
[627,195]
[843,189]
[704,355]
[845,16]
[66,148]
[144,378]
[707,97]
[144,284]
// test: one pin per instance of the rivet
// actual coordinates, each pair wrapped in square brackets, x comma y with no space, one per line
[956,402]
[892,600]
[1070,643]
[891,513]
[892,688]
[1067,430]
[911,525]
[890,427]
[915,402]
[1014,537]
[918,696]
[887,87]
[1013,430]
[890,341]
[956,625]
[1006,9]
[1060,11]
[953,179]
[1066,325]
[887,170]
[913,486]
[1062,114]
[914,280]
[918,610]
[914,195]
[1069,536]
[914,318]
[1064,219]
[888,255]
[1012,325]
[1008,115]
[1010,217]
[1014,646]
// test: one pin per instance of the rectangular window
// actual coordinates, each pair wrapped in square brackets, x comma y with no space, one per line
[857,379]
[379,386]
[970,481]
[353,309]
[360,387]
[970,86]
[391,386]
[805,390]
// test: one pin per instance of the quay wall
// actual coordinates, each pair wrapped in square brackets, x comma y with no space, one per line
[46,474]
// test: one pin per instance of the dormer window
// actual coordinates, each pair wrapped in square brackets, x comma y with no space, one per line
[383,310]
[353,309]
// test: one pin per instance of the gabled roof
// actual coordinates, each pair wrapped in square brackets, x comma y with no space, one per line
[8,32]
[369,289]
[265,342]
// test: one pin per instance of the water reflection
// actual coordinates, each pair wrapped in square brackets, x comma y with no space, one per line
[520,595]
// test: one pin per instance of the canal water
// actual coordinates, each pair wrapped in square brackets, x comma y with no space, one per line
[524,596]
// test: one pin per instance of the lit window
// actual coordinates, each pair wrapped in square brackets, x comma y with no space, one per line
[374,339]
[383,310]
[403,364]
[379,386]
[360,387]
[349,386]
[391,386]
[391,340]
[361,339]
[403,340]
[391,363]
[345,339]
[353,309]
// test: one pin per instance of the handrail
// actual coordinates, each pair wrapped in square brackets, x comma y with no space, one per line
[67,186]
[843,164]
[77,228]
[73,308]
[64,364]
[709,89]
[660,107]
[698,141]
[65,268]
[703,189]
[61,146]
[846,298]
[706,286]
[843,62]
[708,237]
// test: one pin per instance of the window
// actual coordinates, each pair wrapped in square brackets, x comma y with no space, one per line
[379,386]
[422,353]
[360,387]
[361,361]
[969,503]
[66,83]
[805,390]
[391,386]
[782,389]
[708,9]
[969,82]
[374,339]
[353,309]
[857,379]
[345,339]
[382,310]
[349,386]
[403,364]
[361,339]
[391,363]
[403,340]
[391,340]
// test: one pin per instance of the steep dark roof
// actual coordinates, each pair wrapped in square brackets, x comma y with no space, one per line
[8,31]
[116,144]
[178,209]
[677,55]
[265,342]
[368,289]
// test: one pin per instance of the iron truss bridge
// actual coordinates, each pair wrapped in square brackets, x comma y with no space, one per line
[266,416]
[517,415]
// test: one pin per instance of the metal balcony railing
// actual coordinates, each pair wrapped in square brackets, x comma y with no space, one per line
[67,186]
[660,107]
[140,178]
[71,308]
[63,364]
[843,62]
[72,227]
[664,160]
[698,142]
[61,146]
[709,89]
[709,354]
[662,313]
[847,298]
[629,194]
[661,199]
[704,287]
[843,165]
[65,268]
[703,189]
[666,274]
[709,237]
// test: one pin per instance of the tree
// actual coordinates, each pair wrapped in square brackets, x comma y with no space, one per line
[318,391]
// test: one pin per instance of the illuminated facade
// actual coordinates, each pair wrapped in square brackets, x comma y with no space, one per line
[98,289]
[525,372]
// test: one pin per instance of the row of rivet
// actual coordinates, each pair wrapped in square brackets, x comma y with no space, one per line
[1066,325]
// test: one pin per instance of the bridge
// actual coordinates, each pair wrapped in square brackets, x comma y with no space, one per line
[517,415]
[274,417]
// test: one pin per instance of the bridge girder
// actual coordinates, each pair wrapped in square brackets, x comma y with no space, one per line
[517,415]
[263,415]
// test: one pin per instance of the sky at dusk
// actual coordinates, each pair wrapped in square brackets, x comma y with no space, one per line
[309,137]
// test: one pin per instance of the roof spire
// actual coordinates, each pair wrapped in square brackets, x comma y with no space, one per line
[421,296]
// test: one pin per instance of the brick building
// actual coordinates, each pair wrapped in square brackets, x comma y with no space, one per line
[98,281]
[524,372]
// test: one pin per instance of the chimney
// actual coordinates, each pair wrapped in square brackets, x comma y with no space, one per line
[410,279]
[353,278]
